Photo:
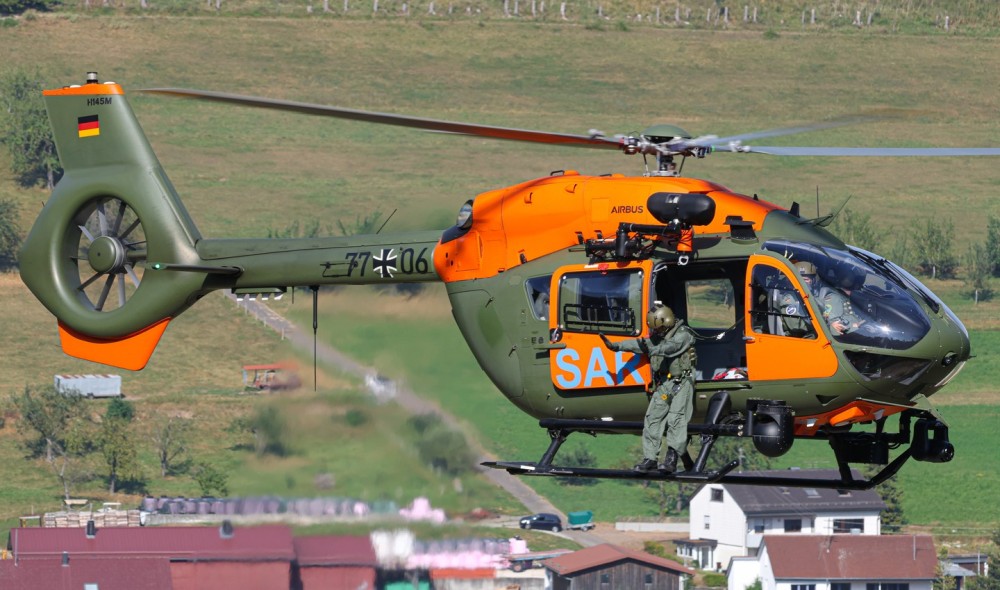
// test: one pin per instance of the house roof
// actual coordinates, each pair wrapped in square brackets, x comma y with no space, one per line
[108,574]
[776,499]
[851,557]
[343,550]
[607,554]
[191,543]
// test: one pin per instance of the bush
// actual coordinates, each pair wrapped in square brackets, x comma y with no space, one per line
[211,479]
[437,445]
[355,417]
[714,580]
[10,235]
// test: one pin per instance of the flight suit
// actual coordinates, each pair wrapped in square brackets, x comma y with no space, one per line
[794,317]
[672,362]
[837,308]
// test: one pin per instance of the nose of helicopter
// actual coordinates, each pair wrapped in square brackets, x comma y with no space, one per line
[954,349]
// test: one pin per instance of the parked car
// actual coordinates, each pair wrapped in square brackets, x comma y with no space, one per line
[543,521]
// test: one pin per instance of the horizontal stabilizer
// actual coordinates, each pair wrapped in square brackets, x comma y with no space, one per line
[131,352]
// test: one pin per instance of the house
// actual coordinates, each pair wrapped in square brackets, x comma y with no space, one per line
[729,520]
[66,573]
[608,566]
[335,562]
[200,558]
[838,562]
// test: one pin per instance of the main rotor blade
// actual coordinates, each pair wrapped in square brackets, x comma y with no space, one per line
[865,152]
[399,120]
[737,139]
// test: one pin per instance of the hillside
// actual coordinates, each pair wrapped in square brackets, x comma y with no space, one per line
[242,174]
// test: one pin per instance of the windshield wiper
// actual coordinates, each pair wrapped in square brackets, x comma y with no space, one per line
[901,279]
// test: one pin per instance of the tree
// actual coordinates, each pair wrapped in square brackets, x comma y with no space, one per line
[61,433]
[442,448]
[26,131]
[10,235]
[978,270]
[933,247]
[10,7]
[268,428]
[170,439]
[993,244]
[893,518]
[117,444]
[211,479]
[990,581]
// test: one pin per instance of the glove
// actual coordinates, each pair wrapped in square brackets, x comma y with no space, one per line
[607,343]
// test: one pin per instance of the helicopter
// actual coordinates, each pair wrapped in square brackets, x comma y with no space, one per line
[537,274]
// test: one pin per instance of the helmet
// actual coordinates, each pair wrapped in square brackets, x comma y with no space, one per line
[805,268]
[850,277]
[660,319]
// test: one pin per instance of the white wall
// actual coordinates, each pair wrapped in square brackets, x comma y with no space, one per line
[727,524]
[825,584]
[742,572]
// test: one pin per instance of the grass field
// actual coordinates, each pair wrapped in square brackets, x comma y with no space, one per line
[242,172]
[951,494]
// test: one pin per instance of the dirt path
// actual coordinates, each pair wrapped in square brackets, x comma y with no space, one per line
[413,403]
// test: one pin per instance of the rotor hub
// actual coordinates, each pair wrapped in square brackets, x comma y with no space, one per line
[107,255]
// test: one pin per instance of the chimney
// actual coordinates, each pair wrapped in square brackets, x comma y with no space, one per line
[226,530]
[65,559]
[91,529]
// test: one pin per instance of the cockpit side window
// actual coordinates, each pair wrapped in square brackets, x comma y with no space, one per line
[608,302]
[864,299]
[777,308]
[537,289]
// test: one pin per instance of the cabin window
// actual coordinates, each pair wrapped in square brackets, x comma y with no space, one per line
[538,296]
[607,301]
[710,304]
[648,580]
[716,494]
[777,307]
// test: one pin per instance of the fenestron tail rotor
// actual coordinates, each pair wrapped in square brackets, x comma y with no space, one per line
[109,253]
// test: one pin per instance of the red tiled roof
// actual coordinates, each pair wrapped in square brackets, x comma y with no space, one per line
[107,573]
[268,543]
[335,551]
[606,554]
[851,557]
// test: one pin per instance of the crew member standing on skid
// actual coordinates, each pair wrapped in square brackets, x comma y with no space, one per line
[671,353]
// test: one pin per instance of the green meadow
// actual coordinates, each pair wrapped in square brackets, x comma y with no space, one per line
[243,172]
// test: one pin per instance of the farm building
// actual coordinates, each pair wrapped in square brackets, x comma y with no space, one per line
[609,566]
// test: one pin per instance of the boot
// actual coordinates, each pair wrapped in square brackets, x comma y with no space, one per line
[669,464]
[645,466]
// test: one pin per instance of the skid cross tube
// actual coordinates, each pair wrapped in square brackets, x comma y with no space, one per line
[848,447]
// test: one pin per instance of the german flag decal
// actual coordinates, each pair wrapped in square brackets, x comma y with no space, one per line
[88,126]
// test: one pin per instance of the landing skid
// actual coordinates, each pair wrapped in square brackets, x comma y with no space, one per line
[702,477]
[929,443]
[522,468]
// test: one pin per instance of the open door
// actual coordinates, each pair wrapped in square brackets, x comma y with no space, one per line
[784,338]
[587,300]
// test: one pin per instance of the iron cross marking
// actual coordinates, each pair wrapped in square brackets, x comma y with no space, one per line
[385,263]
